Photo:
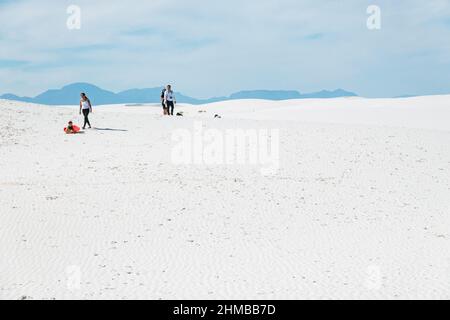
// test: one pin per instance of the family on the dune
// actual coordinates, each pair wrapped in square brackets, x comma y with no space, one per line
[168,102]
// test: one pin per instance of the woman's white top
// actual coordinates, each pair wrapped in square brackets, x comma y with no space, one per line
[85,104]
[169,95]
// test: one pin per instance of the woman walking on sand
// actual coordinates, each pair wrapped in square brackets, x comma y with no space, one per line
[86,108]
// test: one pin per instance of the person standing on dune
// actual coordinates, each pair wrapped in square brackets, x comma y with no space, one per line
[163,92]
[169,100]
[86,108]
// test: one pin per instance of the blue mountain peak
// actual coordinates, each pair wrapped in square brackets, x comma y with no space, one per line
[70,95]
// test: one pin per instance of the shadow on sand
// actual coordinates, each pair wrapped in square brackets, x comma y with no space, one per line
[109,129]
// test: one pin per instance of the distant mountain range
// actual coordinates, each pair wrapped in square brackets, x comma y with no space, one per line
[70,95]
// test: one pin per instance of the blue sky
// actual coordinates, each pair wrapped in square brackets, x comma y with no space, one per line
[213,48]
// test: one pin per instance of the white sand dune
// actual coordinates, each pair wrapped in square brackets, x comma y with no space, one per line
[420,112]
[359,207]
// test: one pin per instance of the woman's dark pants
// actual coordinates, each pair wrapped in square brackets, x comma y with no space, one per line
[86,118]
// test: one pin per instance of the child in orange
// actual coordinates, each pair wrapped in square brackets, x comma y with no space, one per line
[71,129]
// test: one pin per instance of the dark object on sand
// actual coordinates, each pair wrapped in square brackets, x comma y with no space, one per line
[179,114]
[217,117]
